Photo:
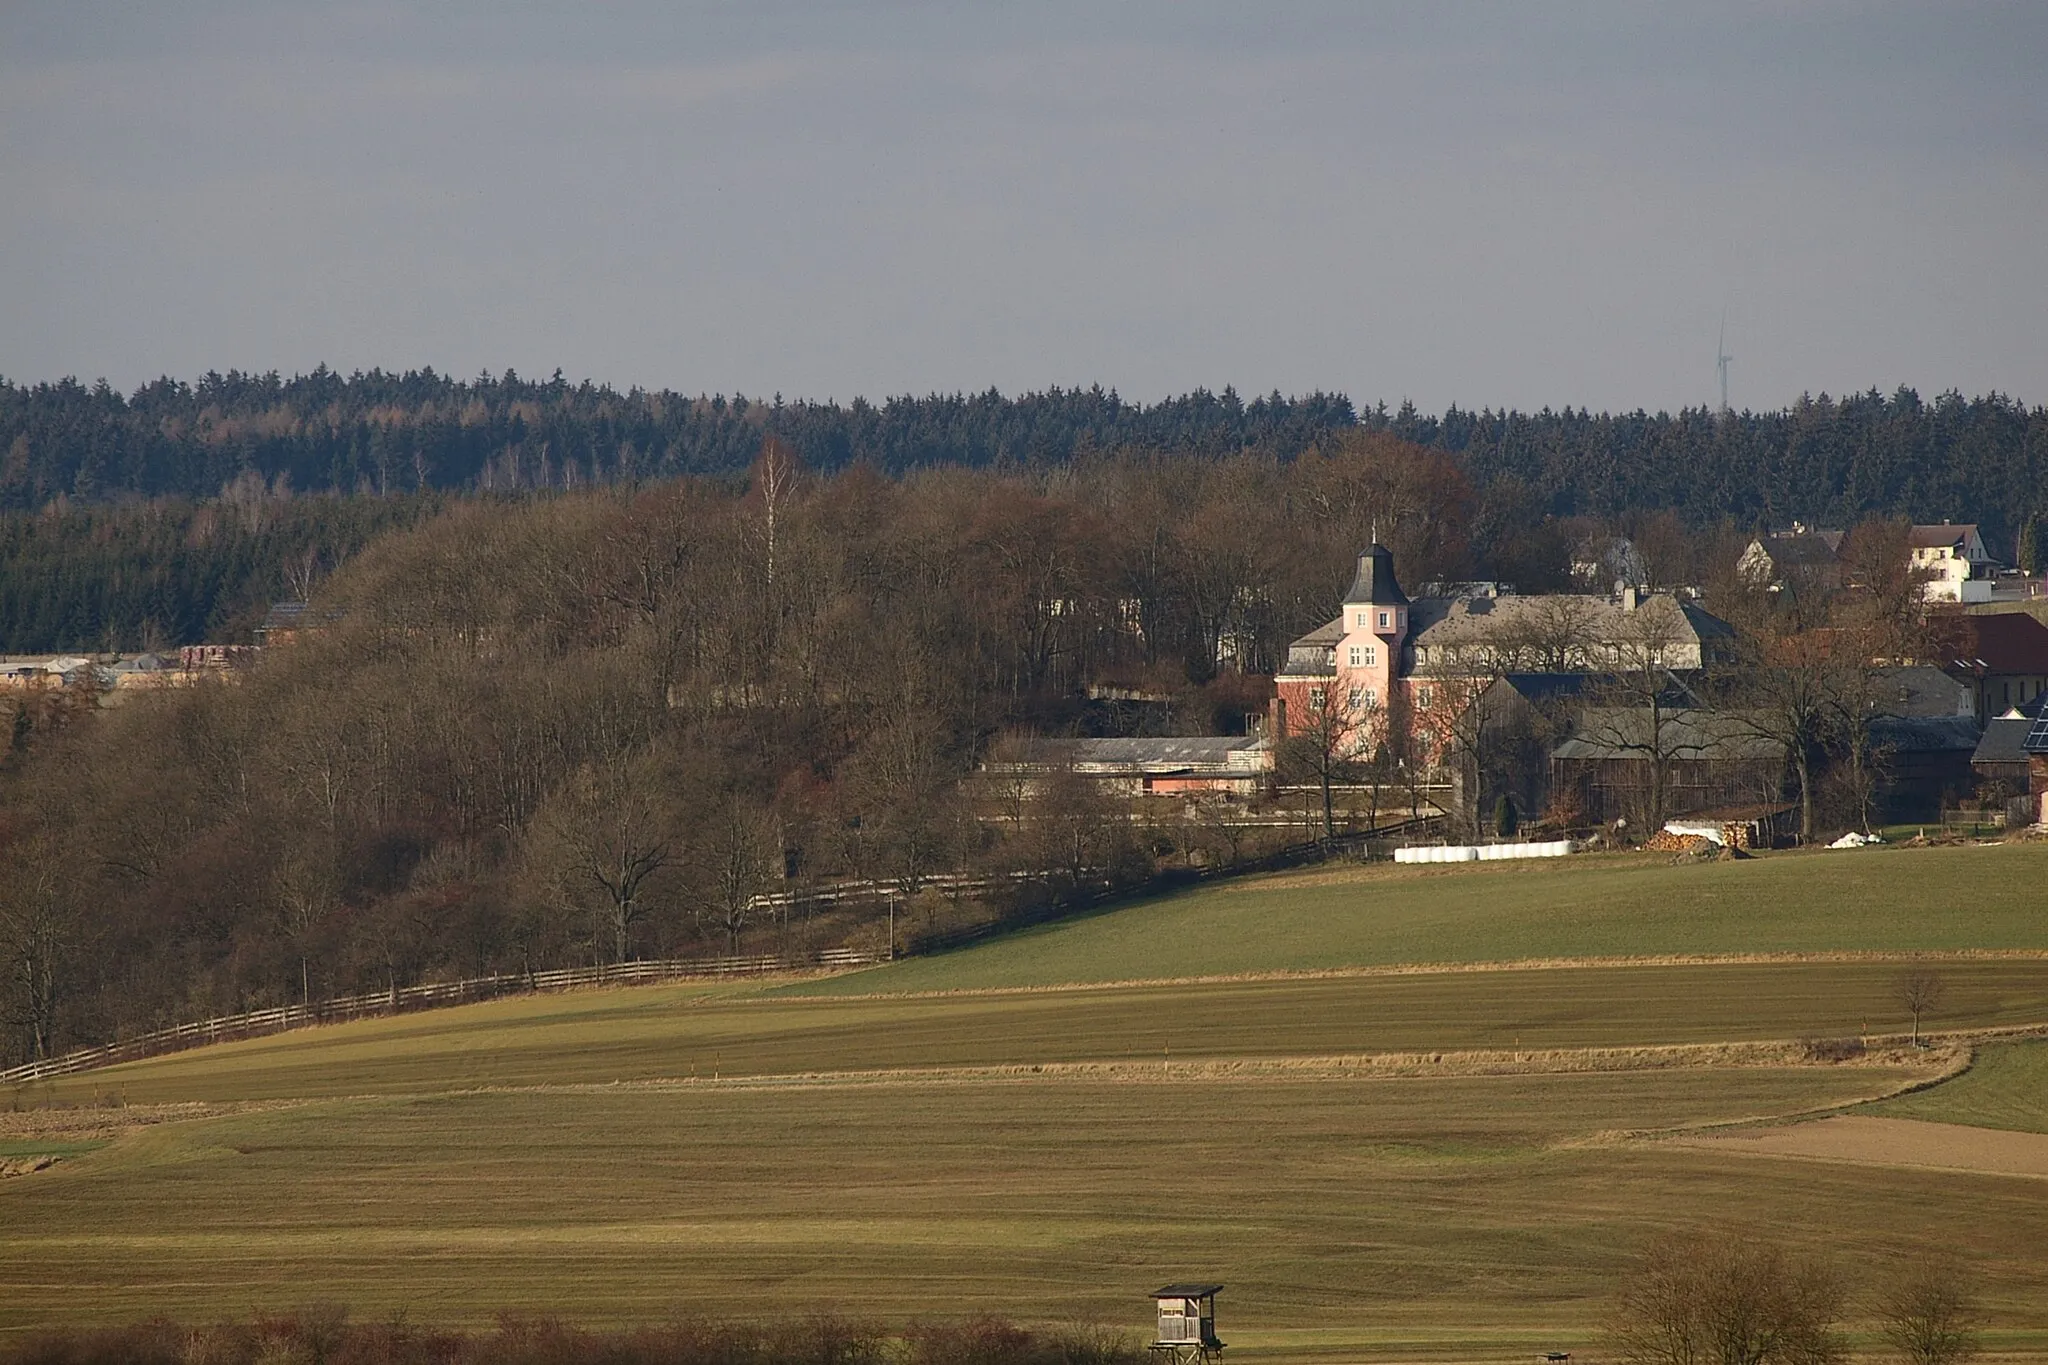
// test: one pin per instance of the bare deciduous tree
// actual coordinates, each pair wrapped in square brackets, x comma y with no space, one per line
[738,859]
[1919,991]
[1930,1314]
[1635,708]
[608,835]
[1325,747]
[1721,1298]
[36,933]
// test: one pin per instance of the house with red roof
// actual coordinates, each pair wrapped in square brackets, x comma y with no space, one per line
[2002,657]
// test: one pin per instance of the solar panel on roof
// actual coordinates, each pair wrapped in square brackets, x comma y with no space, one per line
[2037,737]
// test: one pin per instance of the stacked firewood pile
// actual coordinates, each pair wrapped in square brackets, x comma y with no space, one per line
[1664,841]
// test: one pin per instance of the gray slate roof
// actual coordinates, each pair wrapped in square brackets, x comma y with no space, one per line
[1926,734]
[1788,548]
[1375,583]
[2004,740]
[1687,736]
[1526,628]
[1923,690]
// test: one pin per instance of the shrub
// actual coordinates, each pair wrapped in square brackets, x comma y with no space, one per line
[323,1335]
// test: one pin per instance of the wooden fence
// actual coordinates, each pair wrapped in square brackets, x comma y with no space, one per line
[403,999]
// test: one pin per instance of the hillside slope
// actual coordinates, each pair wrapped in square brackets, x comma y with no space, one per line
[1945,900]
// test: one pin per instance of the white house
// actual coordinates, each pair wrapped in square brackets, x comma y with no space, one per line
[1958,567]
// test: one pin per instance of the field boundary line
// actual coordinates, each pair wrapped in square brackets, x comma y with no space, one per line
[1444,1064]
[1826,957]
[1961,1056]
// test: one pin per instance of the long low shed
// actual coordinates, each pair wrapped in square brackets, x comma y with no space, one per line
[1479,853]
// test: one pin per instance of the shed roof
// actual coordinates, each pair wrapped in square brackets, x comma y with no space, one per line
[1158,756]
[1690,736]
[1186,1291]
[2004,740]
[296,615]
[1926,734]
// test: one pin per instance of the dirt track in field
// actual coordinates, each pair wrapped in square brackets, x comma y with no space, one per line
[1891,1142]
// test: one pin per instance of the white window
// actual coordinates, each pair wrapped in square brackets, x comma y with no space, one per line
[1383,620]
[1357,697]
[1371,697]
[1361,620]
[1315,699]
[1367,657]
[1422,698]
[1357,659]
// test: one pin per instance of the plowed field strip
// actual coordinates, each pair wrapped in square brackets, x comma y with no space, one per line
[1869,1141]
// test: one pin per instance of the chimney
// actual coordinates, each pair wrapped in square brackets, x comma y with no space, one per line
[1628,598]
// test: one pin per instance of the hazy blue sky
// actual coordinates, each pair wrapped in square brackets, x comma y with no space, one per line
[1488,204]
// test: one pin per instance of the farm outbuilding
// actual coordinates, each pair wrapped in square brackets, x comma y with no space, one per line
[1709,759]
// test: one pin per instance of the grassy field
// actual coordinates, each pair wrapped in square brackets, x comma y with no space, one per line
[1053,1153]
[2007,1088]
[694,1031]
[1874,900]
[1393,1215]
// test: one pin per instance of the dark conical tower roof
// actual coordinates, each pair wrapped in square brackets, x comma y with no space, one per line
[1376,582]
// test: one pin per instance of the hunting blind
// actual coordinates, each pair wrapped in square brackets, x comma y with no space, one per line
[1187,1324]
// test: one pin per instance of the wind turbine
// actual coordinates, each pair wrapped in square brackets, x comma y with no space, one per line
[1721,359]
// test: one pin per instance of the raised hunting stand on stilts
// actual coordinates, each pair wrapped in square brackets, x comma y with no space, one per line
[1187,1324]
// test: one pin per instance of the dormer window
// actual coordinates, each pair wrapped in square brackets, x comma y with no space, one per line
[1386,619]
[1361,620]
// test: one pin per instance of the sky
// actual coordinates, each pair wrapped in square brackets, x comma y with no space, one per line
[1481,204]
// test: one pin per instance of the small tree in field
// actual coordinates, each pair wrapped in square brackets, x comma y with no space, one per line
[1919,992]
[1930,1314]
[1719,1298]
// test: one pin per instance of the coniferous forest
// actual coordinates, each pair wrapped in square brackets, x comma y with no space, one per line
[1826,459]
[172,515]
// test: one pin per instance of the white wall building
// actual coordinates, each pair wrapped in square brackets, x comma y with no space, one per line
[1959,568]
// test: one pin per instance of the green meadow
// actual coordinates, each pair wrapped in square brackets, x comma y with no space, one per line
[2007,1087]
[1881,900]
[688,1032]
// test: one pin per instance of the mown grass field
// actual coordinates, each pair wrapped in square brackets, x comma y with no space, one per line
[1866,900]
[689,1031]
[1394,1215]
[765,1148]
[2006,1088]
